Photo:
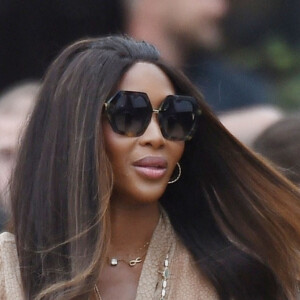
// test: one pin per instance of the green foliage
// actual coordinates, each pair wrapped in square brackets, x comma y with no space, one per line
[280,63]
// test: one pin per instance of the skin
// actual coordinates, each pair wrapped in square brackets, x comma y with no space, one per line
[134,203]
[177,27]
[15,108]
[11,126]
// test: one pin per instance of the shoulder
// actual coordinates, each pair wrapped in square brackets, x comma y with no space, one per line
[8,247]
[10,280]
[7,237]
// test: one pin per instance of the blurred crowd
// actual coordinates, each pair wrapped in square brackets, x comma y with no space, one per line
[237,52]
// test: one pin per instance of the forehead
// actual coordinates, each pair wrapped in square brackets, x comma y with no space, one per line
[148,78]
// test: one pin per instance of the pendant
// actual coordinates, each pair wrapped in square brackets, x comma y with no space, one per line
[133,262]
[114,262]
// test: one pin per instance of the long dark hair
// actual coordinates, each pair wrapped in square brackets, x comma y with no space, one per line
[237,216]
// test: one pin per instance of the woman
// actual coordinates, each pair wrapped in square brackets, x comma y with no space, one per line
[124,190]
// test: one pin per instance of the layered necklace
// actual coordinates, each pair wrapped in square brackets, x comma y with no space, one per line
[142,251]
[164,280]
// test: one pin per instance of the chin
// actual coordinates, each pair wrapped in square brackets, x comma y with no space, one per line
[151,192]
[144,194]
[139,191]
[148,197]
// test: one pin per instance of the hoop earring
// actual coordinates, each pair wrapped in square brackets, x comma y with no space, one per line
[178,175]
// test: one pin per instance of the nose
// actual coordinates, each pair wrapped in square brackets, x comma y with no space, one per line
[153,136]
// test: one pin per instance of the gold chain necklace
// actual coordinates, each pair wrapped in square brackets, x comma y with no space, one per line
[131,262]
[165,274]
[97,292]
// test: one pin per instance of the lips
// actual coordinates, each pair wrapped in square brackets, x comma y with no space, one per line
[151,167]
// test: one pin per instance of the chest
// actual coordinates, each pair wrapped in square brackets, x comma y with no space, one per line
[119,282]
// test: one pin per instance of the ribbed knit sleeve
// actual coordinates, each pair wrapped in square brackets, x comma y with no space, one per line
[10,280]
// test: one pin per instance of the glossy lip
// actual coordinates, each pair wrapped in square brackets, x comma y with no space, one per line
[151,167]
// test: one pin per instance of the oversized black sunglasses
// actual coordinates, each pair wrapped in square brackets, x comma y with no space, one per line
[129,113]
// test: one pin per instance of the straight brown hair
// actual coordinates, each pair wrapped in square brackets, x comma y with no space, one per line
[237,216]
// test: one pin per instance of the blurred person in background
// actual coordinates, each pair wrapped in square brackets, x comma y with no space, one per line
[15,107]
[187,32]
[280,144]
[177,27]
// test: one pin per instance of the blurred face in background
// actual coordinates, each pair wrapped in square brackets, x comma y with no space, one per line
[10,126]
[195,22]
[15,108]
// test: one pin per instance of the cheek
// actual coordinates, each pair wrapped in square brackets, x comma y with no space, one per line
[177,150]
[111,143]
[116,146]
[110,140]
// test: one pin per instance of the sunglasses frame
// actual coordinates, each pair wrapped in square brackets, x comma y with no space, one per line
[197,111]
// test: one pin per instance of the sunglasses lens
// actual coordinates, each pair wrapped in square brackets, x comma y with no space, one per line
[178,117]
[129,113]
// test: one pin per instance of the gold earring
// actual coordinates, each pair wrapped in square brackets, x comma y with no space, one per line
[178,175]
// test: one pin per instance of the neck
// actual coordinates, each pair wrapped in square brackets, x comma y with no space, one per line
[132,226]
[141,28]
